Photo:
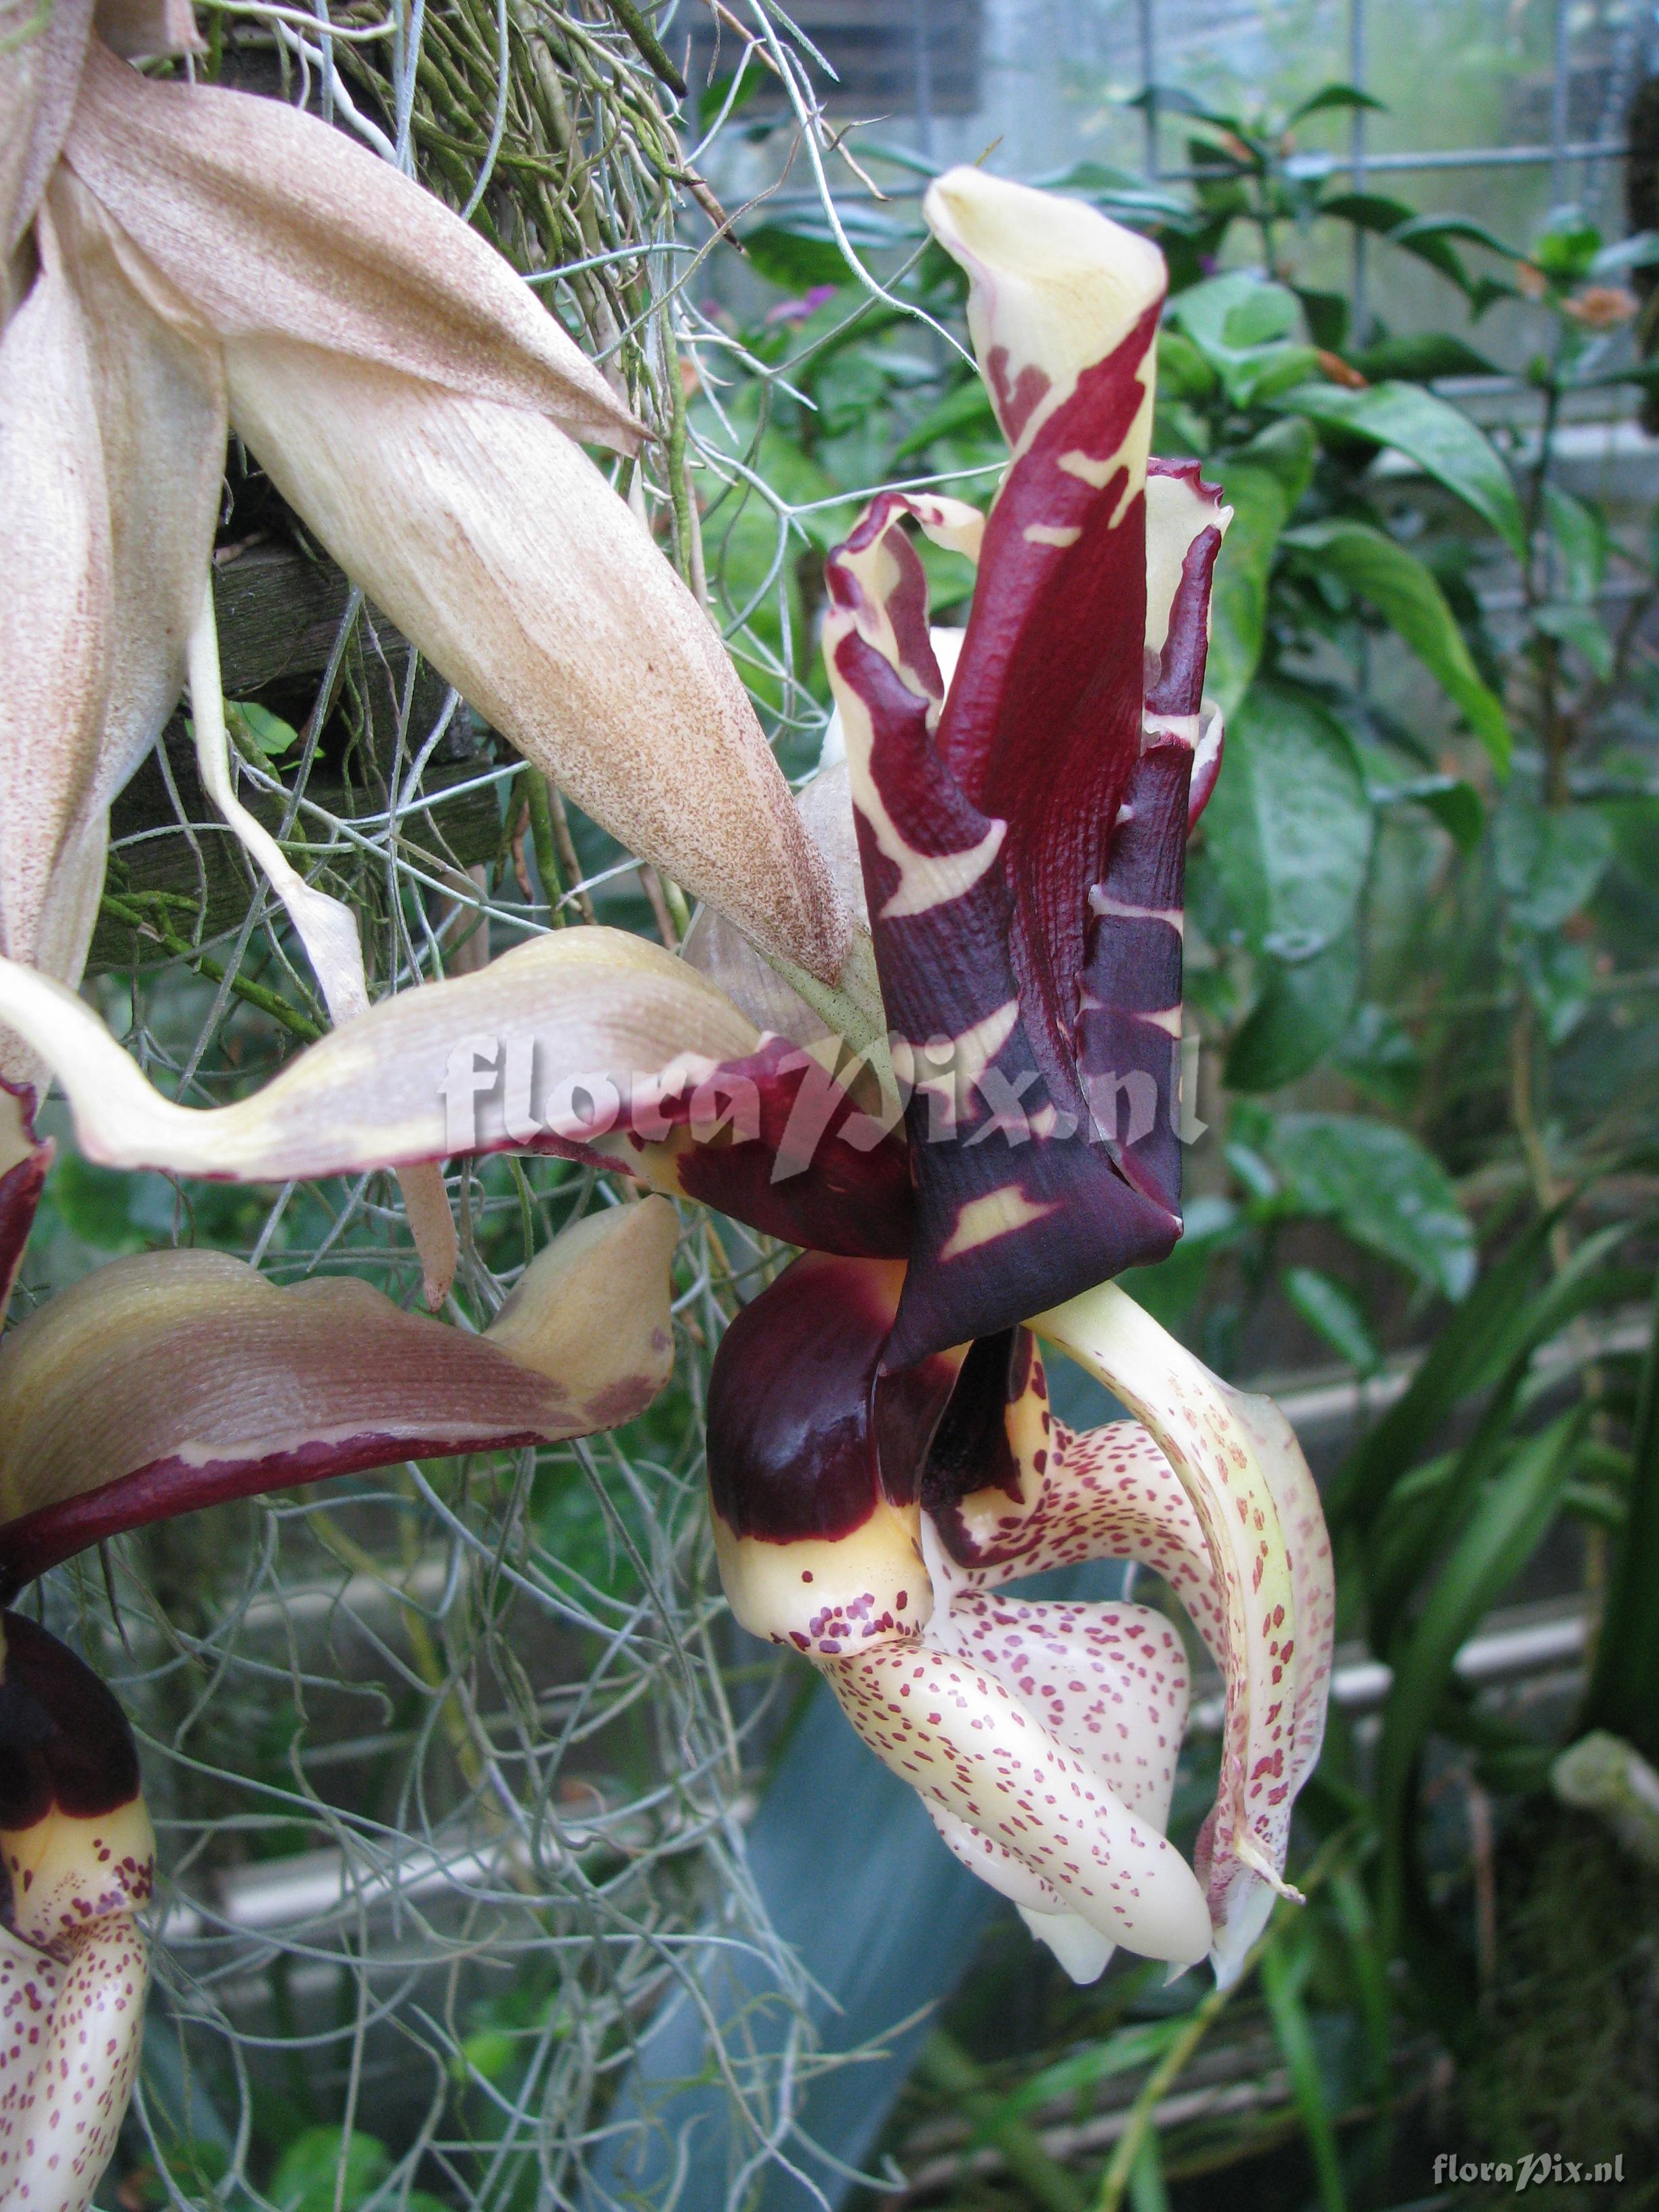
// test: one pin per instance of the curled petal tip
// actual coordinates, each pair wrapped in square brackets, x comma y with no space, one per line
[1056,286]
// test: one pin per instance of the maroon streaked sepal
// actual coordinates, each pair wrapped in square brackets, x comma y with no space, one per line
[77,1859]
[1022,835]
[1016,1134]
[1186,522]
[172,1380]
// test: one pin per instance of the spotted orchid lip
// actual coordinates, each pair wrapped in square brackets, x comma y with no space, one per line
[872,1521]
[76,1862]
[1023,833]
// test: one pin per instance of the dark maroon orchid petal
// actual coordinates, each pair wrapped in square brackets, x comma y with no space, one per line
[1022,838]
[1186,522]
[1019,1198]
[23,1164]
[171,1380]
[813,1458]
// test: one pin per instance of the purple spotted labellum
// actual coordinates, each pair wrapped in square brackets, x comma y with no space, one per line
[1022,832]
[871,1519]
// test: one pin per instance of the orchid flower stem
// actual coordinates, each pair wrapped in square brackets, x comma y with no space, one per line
[542,837]
[948,2067]
[1115,2182]
[148,919]
[566,846]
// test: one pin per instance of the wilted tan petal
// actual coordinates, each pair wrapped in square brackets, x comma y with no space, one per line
[55,587]
[140,29]
[271,224]
[419,1075]
[38,78]
[497,546]
[716,949]
[327,928]
[171,1380]
[158,391]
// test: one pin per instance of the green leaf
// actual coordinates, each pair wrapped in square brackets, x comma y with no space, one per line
[1124,194]
[1444,444]
[1420,359]
[1335,95]
[1259,316]
[1624,1690]
[1461,227]
[1550,861]
[1302,1011]
[1282,1981]
[713,96]
[1373,211]
[1380,570]
[1481,1339]
[795,261]
[256,726]
[1455,804]
[1289,829]
[1241,326]
[1501,1536]
[1333,1311]
[1238,603]
[1183,371]
[1579,534]
[1327,316]
[1383,1188]
[1558,974]
[965,411]
[308,2174]
[1566,250]
[1581,628]
[1289,449]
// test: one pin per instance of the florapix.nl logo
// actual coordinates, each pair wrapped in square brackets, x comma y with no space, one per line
[1540,2169]
[496,1092]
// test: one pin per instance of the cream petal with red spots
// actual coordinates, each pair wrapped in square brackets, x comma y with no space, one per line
[1237,1460]
[77,1853]
[1110,1682]
[949,1727]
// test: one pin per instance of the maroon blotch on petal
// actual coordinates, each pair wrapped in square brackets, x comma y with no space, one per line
[805,1440]
[65,1745]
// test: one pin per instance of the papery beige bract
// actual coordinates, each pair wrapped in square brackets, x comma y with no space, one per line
[191,257]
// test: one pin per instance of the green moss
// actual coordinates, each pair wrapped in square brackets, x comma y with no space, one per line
[1570,2063]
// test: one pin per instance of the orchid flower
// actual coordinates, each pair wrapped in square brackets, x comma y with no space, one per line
[78,1860]
[881,1457]
[177,259]
[170,1380]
